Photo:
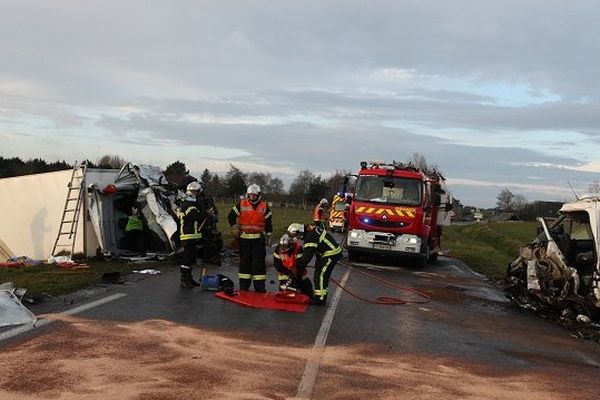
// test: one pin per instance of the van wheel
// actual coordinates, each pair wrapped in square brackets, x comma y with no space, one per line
[433,257]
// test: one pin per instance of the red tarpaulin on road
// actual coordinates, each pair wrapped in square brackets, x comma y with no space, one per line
[269,301]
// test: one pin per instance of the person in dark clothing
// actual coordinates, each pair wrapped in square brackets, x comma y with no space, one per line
[250,220]
[285,259]
[191,221]
[320,244]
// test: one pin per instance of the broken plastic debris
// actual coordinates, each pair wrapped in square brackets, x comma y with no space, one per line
[583,318]
[12,312]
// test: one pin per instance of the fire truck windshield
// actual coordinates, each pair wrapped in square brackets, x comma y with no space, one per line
[386,189]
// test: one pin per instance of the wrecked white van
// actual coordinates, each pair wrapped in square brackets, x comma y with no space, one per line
[146,188]
[560,267]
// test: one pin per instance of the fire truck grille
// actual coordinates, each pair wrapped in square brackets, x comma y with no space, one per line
[388,224]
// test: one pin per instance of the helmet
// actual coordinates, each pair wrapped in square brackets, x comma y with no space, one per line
[295,230]
[286,242]
[193,188]
[253,189]
[324,202]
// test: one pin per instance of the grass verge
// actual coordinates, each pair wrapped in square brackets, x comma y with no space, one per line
[488,247]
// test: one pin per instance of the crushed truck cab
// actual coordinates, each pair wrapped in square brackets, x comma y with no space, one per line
[397,209]
[560,267]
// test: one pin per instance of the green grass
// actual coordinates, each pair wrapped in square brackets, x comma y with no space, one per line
[488,247]
[52,280]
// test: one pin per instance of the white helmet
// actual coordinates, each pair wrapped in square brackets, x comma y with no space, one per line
[295,230]
[193,188]
[324,202]
[253,189]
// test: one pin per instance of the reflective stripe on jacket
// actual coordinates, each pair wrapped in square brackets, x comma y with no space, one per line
[189,223]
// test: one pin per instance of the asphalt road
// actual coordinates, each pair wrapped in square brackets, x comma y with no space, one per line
[151,340]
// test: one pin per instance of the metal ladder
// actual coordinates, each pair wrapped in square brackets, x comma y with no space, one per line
[67,232]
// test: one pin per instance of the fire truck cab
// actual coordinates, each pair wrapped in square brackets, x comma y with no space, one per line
[398,210]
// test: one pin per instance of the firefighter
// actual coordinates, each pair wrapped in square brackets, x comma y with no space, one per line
[212,241]
[285,257]
[134,232]
[320,213]
[250,220]
[191,220]
[317,242]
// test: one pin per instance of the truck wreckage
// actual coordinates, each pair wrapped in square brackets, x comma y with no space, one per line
[560,268]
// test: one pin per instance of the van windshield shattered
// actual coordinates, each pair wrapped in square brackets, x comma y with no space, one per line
[390,190]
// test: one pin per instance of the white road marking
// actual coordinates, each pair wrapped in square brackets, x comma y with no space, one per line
[307,383]
[43,322]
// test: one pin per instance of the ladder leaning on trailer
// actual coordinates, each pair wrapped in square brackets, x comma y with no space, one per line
[67,232]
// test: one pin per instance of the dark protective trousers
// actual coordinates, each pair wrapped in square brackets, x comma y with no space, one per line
[252,264]
[189,252]
[323,268]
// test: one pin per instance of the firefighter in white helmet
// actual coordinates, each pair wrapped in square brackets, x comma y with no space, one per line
[319,243]
[250,219]
[320,213]
[191,220]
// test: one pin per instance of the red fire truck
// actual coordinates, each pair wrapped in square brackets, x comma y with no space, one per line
[397,209]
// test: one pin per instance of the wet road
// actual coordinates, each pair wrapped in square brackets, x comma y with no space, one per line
[151,340]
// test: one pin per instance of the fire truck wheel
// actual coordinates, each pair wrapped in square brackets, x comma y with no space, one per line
[352,256]
[433,257]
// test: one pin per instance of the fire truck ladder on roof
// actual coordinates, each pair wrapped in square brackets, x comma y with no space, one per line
[67,232]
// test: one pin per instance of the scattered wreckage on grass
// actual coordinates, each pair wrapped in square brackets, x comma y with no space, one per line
[560,268]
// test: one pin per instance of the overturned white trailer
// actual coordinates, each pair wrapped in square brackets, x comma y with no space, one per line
[31,210]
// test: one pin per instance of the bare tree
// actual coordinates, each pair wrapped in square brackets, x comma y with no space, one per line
[594,187]
[504,200]
[111,161]
[300,185]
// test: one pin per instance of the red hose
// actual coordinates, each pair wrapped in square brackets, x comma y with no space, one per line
[385,300]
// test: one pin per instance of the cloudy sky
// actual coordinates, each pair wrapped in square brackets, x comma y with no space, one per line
[496,93]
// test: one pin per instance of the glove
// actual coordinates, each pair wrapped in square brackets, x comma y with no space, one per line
[288,286]
[269,240]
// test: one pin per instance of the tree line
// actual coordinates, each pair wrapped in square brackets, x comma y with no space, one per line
[306,187]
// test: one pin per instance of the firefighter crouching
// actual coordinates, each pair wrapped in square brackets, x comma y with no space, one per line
[320,213]
[190,225]
[285,259]
[317,242]
[254,228]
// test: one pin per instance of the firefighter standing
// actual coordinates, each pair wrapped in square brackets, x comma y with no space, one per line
[317,242]
[320,213]
[254,228]
[285,259]
[191,220]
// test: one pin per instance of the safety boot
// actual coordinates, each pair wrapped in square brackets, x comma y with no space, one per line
[186,278]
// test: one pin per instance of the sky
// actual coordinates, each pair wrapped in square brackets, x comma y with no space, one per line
[497,94]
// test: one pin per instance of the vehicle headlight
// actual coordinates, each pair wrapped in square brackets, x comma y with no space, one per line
[355,234]
[411,240]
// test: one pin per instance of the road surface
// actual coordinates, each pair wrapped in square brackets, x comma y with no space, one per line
[151,340]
